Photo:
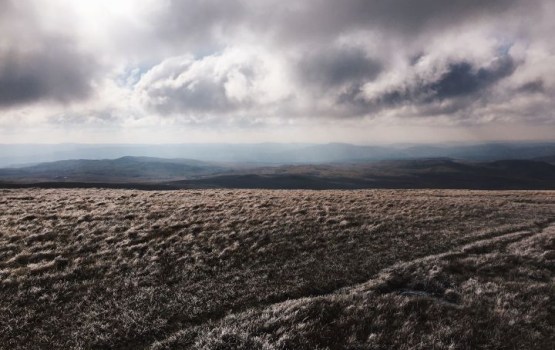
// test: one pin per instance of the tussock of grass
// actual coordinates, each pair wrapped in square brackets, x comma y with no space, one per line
[255,269]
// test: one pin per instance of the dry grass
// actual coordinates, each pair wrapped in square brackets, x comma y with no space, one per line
[276,269]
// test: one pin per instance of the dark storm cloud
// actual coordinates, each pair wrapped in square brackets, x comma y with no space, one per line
[460,80]
[202,23]
[338,66]
[536,86]
[36,65]
[339,72]
[197,24]
[322,19]
[463,79]
[55,71]
[462,87]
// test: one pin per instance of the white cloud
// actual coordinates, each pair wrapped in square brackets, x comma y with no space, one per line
[238,80]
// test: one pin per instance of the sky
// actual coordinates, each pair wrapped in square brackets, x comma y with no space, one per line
[357,71]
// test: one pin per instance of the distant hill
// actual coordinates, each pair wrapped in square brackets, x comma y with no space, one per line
[125,169]
[156,173]
[425,173]
[276,153]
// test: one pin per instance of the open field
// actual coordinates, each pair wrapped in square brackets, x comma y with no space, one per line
[262,269]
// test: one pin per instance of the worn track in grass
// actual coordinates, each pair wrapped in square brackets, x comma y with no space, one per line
[398,279]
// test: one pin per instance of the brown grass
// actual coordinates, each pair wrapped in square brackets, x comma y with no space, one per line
[276,269]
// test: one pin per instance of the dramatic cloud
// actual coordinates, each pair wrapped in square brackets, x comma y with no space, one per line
[38,65]
[240,64]
[536,86]
[328,18]
[338,66]
[199,23]
[221,84]
[459,80]
[52,71]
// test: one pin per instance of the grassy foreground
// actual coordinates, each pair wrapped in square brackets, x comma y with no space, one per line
[218,269]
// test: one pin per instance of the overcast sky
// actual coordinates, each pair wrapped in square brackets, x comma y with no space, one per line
[359,71]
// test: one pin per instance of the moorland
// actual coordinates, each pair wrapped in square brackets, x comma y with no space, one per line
[275,269]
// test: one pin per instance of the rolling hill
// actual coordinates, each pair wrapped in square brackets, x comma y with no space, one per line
[275,153]
[158,173]
[121,170]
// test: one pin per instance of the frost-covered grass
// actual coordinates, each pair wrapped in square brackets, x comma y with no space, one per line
[275,269]
[498,296]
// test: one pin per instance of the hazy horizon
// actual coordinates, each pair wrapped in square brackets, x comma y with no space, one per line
[271,152]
